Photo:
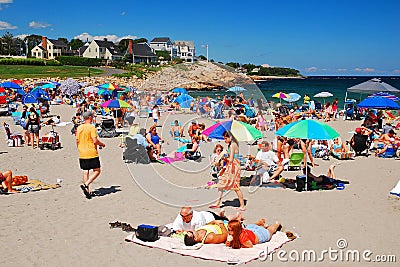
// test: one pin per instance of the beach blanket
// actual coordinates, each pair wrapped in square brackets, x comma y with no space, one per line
[35,185]
[216,252]
[396,190]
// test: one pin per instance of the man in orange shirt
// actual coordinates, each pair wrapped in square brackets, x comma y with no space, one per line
[87,142]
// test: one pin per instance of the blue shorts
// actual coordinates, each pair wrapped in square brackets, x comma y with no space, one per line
[262,233]
[155,120]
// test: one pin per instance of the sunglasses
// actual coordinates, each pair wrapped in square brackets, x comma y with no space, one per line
[187,215]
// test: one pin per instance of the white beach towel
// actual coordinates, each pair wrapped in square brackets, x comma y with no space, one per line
[396,190]
[217,252]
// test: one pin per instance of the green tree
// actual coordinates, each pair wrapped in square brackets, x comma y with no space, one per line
[7,44]
[249,67]
[33,40]
[123,45]
[233,64]
[140,40]
[202,57]
[75,44]
[163,55]
[65,40]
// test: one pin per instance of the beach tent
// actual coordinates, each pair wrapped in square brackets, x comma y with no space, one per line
[29,99]
[371,86]
[184,100]
[39,93]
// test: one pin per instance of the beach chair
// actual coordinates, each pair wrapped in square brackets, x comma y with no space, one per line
[361,144]
[108,129]
[135,152]
[295,160]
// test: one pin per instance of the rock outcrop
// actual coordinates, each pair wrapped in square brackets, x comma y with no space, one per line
[199,75]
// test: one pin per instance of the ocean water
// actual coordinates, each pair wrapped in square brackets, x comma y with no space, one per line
[337,85]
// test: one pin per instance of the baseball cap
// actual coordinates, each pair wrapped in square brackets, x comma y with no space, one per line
[87,114]
[358,130]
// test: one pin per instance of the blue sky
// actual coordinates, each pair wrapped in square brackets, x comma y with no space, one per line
[317,37]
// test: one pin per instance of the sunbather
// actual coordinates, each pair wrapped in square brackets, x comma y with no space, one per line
[339,150]
[189,219]
[250,235]
[214,232]
[321,178]
[6,181]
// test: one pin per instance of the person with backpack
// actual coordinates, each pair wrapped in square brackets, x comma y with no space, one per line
[33,126]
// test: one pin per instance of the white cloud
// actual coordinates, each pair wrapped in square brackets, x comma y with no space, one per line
[365,70]
[6,1]
[39,25]
[396,71]
[22,36]
[341,70]
[311,69]
[123,13]
[6,26]
[110,37]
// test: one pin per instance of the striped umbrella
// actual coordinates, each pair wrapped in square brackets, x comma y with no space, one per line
[115,103]
[240,130]
[385,95]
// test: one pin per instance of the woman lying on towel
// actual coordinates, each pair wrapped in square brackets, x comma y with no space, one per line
[250,235]
[6,182]
[214,232]
[339,150]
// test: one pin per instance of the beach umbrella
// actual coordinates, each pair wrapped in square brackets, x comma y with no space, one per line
[19,82]
[184,100]
[10,85]
[293,97]
[281,96]
[308,129]
[37,92]
[115,103]
[323,95]
[378,102]
[91,89]
[109,86]
[236,89]
[180,90]
[385,95]
[240,130]
[48,86]
[69,87]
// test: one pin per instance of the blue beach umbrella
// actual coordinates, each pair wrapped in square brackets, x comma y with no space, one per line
[293,97]
[180,90]
[378,102]
[11,85]
[236,89]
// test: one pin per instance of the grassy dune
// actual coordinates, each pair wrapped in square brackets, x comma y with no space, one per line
[23,71]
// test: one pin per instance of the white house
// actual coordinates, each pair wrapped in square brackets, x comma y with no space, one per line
[101,49]
[185,50]
[50,49]
[161,44]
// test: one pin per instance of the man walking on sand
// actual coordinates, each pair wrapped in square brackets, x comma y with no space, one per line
[87,142]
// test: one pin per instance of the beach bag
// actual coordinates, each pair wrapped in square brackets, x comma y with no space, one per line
[147,233]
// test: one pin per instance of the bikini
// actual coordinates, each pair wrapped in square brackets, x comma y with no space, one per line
[210,228]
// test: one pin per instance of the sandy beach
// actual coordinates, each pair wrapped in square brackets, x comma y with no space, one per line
[60,227]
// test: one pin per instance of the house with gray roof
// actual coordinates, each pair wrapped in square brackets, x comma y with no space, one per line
[161,44]
[101,49]
[142,52]
[50,49]
[185,50]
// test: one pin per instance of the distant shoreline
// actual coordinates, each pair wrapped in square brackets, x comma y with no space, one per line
[266,78]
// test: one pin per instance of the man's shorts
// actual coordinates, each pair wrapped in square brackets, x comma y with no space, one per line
[89,164]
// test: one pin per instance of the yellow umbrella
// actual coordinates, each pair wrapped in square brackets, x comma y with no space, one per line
[281,95]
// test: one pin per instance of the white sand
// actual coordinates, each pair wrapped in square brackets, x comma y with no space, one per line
[61,227]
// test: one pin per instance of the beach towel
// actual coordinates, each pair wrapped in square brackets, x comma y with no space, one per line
[35,185]
[216,252]
[396,190]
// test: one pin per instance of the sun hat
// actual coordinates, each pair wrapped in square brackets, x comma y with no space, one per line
[87,114]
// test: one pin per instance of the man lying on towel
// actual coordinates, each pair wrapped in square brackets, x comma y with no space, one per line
[189,219]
